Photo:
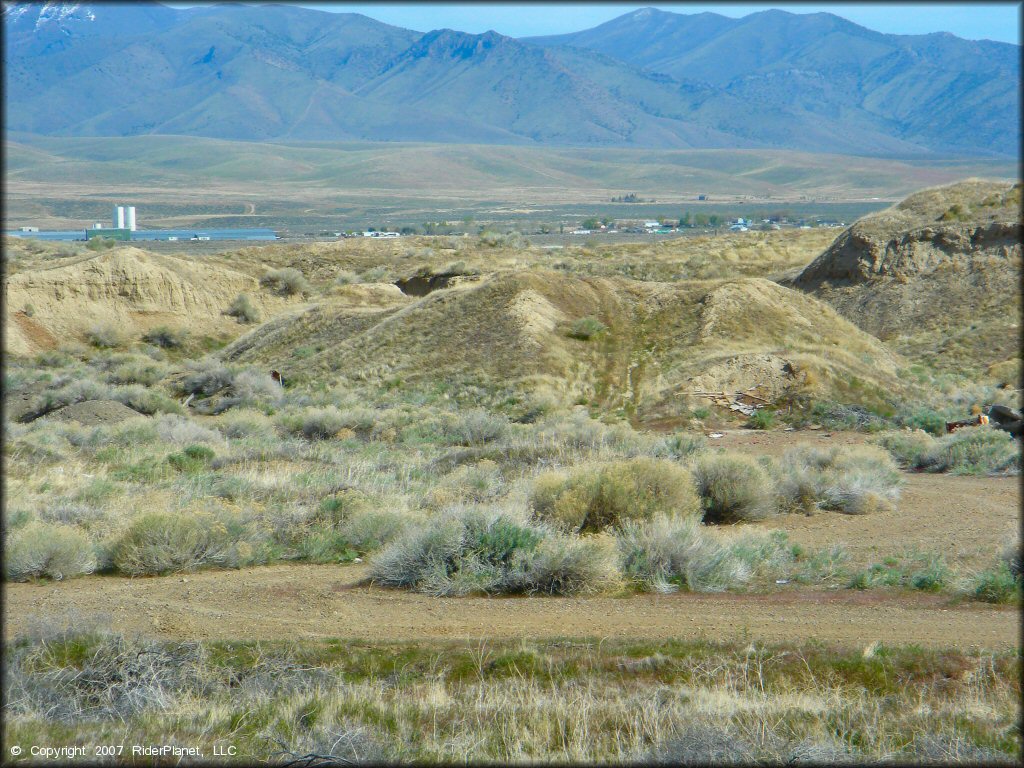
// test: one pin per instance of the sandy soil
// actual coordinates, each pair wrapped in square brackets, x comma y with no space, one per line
[305,601]
[968,519]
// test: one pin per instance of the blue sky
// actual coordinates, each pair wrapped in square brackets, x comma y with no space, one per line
[975,21]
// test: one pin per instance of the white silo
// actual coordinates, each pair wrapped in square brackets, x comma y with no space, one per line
[130,223]
[118,217]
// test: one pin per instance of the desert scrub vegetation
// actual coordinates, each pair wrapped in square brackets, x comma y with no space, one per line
[243,310]
[287,281]
[468,550]
[104,336]
[586,328]
[515,701]
[165,338]
[598,497]
[46,550]
[969,451]
[732,488]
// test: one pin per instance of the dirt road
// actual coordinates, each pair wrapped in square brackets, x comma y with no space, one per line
[307,601]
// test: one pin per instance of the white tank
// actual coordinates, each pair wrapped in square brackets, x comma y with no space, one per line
[130,223]
[118,217]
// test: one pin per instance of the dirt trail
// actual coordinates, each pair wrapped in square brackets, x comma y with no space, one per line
[307,601]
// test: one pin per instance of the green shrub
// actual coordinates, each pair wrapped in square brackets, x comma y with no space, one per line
[908,448]
[160,542]
[193,459]
[761,419]
[165,338]
[145,400]
[367,530]
[732,488]
[974,451]
[54,551]
[925,419]
[586,328]
[286,282]
[182,431]
[995,585]
[684,444]
[243,310]
[594,498]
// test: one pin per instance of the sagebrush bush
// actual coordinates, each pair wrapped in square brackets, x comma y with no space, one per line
[104,336]
[139,371]
[252,386]
[207,377]
[468,550]
[664,553]
[593,498]
[860,479]
[246,423]
[314,423]
[995,585]
[573,565]
[287,281]
[974,451]
[476,427]
[851,479]
[183,431]
[145,400]
[52,551]
[160,542]
[733,488]
[908,447]
[243,310]
[166,338]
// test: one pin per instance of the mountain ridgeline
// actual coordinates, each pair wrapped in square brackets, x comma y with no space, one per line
[770,80]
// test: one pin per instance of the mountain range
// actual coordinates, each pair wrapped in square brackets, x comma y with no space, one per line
[651,79]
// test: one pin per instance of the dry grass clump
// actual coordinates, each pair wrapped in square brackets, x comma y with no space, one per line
[246,423]
[733,488]
[140,370]
[970,451]
[598,497]
[159,542]
[54,551]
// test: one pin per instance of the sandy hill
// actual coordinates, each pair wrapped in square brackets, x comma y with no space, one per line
[126,288]
[517,332]
[938,274]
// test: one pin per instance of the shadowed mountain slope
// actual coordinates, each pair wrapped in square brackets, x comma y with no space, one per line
[648,79]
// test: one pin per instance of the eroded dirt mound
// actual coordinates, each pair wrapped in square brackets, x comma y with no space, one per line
[938,274]
[127,288]
[640,346]
[92,413]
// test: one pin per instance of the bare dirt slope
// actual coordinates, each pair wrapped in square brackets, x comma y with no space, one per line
[518,330]
[938,274]
[127,288]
